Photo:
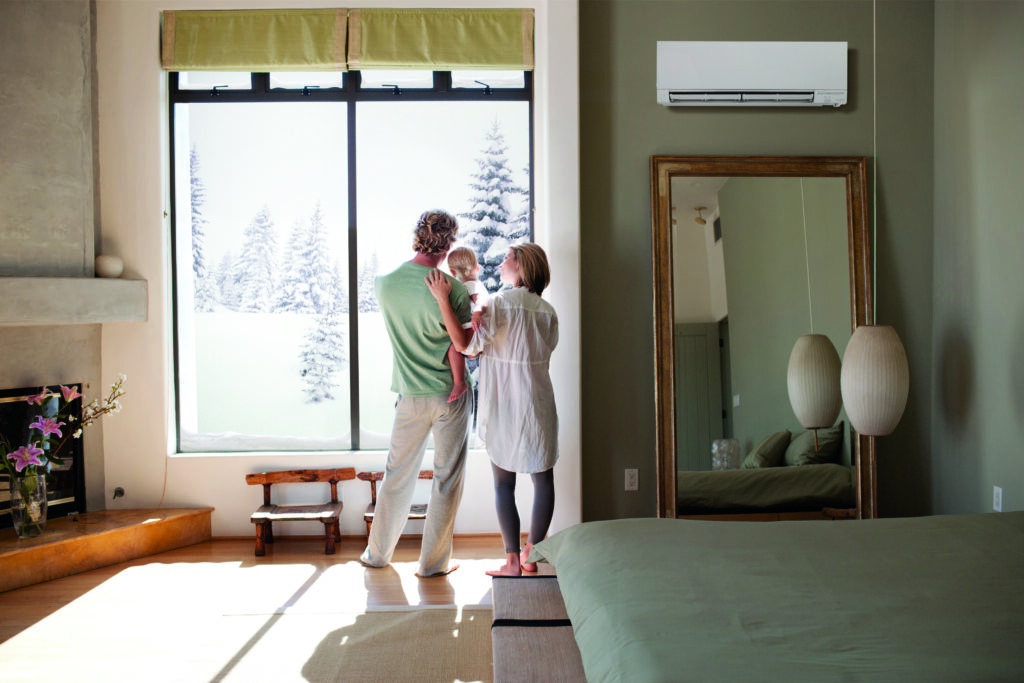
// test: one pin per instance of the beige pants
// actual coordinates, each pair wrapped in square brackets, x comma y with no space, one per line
[415,420]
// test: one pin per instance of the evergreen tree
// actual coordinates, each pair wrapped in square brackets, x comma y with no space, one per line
[318,270]
[322,356]
[340,293]
[292,292]
[205,294]
[255,270]
[491,228]
[367,274]
[227,287]
[307,283]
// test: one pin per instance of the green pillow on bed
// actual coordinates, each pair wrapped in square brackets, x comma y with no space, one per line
[801,448]
[768,453]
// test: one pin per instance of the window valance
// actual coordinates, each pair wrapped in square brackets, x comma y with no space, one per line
[440,39]
[339,39]
[259,40]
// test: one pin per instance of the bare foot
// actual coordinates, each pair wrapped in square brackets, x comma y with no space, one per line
[524,556]
[457,391]
[510,568]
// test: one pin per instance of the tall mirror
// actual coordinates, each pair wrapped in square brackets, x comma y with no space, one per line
[749,254]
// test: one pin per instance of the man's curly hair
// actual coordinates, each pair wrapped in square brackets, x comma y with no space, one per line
[435,233]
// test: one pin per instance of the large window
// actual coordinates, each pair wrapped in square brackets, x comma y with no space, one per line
[291,193]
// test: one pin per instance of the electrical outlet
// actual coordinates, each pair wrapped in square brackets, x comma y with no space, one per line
[631,479]
[997,498]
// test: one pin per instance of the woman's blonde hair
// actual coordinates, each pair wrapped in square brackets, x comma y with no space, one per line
[462,263]
[534,273]
[435,232]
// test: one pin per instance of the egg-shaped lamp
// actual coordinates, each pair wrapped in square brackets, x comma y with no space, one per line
[813,381]
[875,380]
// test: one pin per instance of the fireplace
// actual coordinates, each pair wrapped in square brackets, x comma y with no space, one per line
[65,487]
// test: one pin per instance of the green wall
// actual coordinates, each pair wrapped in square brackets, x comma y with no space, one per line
[621,126]
[978,408]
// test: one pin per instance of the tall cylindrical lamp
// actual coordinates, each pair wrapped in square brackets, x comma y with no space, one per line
[875,380]
[813,378]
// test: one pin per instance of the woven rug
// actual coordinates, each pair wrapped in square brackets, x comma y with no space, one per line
[434,644]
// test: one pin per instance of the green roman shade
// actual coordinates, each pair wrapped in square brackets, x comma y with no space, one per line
[257,40]
[339,39]
[441,39]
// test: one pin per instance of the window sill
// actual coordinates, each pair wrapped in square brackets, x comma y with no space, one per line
[71,300]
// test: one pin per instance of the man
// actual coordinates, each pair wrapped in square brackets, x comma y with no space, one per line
[423,381]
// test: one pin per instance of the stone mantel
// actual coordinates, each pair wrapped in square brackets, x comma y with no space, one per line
[71,300]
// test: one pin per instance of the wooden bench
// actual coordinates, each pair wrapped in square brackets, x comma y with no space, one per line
[417,511]
[328,513]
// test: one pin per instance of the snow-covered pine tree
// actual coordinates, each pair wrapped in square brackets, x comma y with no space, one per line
[322,356]
[367,274]
[205,294]
[256,268]
[316,262]
[489,227]
[292,290]
[227,287]
[340,293]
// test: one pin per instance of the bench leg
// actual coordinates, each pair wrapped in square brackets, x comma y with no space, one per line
[330,531]
[261,548]
[269,536]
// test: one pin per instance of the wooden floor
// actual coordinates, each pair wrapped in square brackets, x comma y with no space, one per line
[222,577]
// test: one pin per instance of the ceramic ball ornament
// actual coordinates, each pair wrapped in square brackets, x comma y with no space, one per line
[108,266]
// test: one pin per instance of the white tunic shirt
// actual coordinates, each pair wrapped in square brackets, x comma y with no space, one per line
[516,416]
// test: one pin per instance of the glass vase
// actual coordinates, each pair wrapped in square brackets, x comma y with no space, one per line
[28,505]
[725,454]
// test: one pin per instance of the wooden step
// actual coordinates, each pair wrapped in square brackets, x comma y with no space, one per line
[97,539]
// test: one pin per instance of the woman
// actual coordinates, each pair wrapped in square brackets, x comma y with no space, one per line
[516,416]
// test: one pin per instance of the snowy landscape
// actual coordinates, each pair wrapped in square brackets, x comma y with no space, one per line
[262,255]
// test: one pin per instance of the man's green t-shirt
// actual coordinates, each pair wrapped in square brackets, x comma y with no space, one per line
[419,339]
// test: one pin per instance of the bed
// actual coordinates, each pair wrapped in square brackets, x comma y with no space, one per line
[911,599]
[809,488]
[785,476]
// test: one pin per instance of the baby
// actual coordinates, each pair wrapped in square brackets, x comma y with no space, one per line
[462,262]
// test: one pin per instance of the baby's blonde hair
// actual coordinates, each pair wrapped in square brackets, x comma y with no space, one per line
[462,263]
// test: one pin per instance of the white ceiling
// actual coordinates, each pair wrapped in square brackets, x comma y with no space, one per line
[688,193]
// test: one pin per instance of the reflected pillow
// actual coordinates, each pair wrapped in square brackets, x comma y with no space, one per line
[768,453]
[801,449]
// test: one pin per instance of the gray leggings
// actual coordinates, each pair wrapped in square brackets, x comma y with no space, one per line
[508,514]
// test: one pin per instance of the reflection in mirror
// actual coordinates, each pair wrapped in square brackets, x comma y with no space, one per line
[758,251]
[748,282]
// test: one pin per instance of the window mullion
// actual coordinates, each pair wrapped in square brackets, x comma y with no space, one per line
[353,277]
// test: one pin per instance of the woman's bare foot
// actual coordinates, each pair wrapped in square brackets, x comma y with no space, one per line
[510,568]
[457,391]
[524,556]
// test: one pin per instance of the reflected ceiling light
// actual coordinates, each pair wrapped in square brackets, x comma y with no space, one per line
[813,374]
[699,220]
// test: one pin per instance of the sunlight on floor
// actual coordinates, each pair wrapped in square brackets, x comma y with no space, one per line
[190,614]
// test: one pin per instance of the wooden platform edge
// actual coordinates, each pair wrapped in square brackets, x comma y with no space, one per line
[97,539]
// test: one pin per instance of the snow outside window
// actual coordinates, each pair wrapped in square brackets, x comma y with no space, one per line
[274,282]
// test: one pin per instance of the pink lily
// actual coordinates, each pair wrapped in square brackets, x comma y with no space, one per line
[40,397]
[70,393]
[26,455]
[47,425]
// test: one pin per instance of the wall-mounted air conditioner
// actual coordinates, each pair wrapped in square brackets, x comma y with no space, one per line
[751,74]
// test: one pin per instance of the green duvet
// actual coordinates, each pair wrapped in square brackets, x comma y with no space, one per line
[919,599]
[806,487]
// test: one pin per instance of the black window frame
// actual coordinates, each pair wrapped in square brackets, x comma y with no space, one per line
[350,93]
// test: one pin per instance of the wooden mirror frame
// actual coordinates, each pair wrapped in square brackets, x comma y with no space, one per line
[663,169]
